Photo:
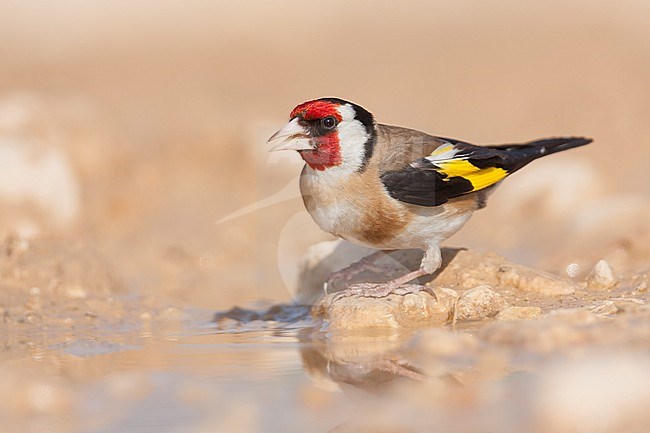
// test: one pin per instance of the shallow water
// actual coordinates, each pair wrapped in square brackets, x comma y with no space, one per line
[293,376]
[203,380]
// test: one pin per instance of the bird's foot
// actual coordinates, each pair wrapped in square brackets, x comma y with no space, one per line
[397,286]
[363,265]
[367,290]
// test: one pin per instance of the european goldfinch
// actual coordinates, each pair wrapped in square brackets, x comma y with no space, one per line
[389,187]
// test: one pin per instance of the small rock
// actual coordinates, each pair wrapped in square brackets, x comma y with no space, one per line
[606,308]
[508,276]
[479,302]
[392,311]
[517,313]
[642,287]
[629,305]
[601,277]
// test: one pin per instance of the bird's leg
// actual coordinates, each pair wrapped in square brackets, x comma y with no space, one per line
[393,284]
[431,262]
[365,264]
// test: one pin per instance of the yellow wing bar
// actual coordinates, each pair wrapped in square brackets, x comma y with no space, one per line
[479,177]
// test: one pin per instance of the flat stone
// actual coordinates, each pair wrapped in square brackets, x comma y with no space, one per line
[606,308]
[530,280]
[429,306]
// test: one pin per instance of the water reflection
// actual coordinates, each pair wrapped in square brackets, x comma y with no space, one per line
[483,376]
[373,364]
[372,378]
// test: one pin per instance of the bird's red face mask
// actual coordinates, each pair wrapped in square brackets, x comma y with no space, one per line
[312,132]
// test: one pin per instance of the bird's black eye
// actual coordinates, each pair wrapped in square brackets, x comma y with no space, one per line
[329,122]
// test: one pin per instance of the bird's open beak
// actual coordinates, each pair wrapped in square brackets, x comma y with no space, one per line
[292,137]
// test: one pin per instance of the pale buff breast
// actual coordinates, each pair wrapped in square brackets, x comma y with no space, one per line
[354,207]
[360,210]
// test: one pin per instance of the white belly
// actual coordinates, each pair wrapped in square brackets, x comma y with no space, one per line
[430,226]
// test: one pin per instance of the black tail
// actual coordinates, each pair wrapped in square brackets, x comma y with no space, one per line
[519,155]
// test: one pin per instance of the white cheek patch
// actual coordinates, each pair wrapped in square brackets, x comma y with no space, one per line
[352,139]
[352,136]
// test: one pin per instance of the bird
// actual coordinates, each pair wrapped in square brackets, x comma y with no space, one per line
[391,188]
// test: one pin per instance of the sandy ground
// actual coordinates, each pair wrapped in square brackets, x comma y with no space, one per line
[137,197]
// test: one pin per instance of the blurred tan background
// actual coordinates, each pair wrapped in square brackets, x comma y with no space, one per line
[134,127]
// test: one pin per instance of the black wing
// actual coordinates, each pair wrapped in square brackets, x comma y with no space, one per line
[459,168]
